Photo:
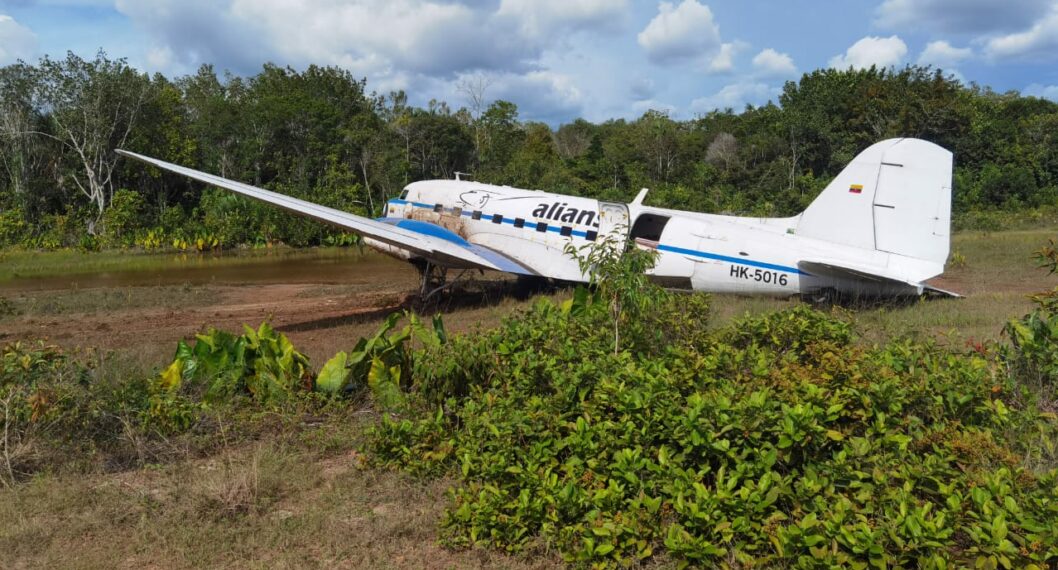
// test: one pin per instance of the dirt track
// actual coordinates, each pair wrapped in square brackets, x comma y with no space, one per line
[296,308]
[319,317]
[325,300]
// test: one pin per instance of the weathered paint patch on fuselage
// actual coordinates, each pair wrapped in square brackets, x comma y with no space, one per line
[529,226]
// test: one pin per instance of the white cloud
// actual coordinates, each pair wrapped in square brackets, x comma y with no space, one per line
[551,18]
[1038,42]
[736,96]
[370,37]
[942,54]
[193,32]
[680,32]
[724,60]
[871,50]
[772,63]
[160,57]
[411,35]
[16,41]
[959,16]
[1042,91]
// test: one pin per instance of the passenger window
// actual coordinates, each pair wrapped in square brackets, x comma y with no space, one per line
[438,207]
[497,218]
[457,212]
[566,231]
[592,235]
[476,215]
[519,223]
[541,226]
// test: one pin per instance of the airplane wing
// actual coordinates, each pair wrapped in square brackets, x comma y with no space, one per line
[847,271]
[439,247]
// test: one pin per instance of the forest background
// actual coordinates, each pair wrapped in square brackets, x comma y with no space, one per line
[320,134]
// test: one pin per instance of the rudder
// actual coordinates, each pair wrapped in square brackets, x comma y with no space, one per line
[895,197]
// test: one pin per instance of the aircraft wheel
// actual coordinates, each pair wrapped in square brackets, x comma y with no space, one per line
[821,298]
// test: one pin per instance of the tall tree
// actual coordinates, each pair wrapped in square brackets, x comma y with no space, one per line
[91,108]
[19,154]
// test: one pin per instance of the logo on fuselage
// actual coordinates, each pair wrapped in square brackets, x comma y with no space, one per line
[561,212]
[475,198]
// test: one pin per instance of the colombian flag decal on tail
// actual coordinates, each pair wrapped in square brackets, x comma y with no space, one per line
[856,188]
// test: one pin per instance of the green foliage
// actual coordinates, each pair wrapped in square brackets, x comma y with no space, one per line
[53,411]
[259,363]
[319,135]
[381,363]
[12,227]
[774,441]
[1033,353]
[618,274]
[123,218]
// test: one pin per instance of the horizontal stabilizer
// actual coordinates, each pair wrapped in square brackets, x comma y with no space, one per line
[846,271]
[849,272]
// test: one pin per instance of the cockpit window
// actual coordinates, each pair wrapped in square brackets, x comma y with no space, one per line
[404,194]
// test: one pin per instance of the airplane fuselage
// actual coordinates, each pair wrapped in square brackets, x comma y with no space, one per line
[701,252]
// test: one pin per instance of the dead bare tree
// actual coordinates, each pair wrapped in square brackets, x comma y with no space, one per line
[474,88]
[722,151]
[90,107]
[573,140]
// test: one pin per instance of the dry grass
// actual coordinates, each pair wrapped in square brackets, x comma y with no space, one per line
[262,506]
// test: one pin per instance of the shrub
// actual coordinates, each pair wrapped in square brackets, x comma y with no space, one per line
[774,441]
[1033,352]
[12,226]
[122,219]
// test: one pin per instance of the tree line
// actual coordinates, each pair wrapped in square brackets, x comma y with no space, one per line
[321,135]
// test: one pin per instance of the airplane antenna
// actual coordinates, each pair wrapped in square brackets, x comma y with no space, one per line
[460,174]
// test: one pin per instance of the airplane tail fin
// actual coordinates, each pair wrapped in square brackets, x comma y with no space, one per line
[894,197]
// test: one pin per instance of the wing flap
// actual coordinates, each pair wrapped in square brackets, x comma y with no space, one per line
[435,249]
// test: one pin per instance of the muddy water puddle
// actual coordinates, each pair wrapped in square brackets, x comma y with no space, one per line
[320,266]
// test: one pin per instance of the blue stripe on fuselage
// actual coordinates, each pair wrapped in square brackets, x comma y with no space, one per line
[738,260]
[583,234]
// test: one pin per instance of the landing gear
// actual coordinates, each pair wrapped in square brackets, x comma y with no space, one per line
[433,279]
[822,298]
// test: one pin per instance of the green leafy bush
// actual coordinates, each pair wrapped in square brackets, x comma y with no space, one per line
[260,363]
[382,363]
[12,226]
[1033,354]
[123,218]
[778,440]
[53,412]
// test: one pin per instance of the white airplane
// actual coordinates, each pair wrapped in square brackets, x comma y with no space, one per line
[880,229]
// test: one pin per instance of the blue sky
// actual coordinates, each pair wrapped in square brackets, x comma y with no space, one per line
[558,59]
